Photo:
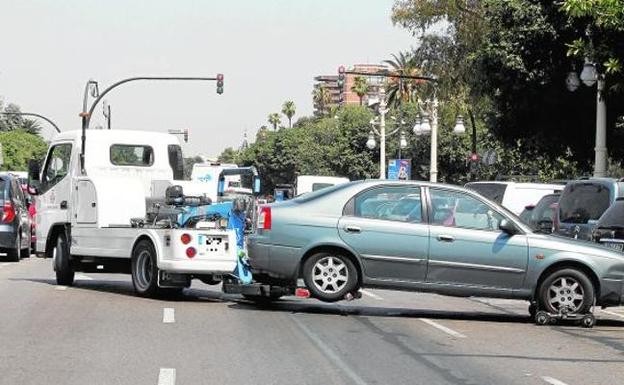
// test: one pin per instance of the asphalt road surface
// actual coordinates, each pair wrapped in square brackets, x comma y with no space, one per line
[99,332]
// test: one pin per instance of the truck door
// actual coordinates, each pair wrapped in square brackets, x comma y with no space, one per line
[85,206]
[55,191]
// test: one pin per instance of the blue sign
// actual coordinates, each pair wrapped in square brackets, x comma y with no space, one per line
[400,169]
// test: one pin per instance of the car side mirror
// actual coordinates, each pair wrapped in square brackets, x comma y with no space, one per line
[508,227]
[34,170]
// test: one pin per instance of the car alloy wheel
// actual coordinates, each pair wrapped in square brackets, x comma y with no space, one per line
[566,293]
[330,274]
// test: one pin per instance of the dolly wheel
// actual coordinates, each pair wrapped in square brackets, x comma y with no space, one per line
[542,318]
[588,321]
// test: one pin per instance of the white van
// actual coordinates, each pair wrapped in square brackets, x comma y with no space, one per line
[309,183]
[514,196]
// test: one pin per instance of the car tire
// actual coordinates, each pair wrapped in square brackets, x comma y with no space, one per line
[330,276]
[568,290]
[14,254]
[144,269]
[61,262]
[26,251]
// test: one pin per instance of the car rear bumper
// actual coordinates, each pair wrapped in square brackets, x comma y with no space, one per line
[275,260]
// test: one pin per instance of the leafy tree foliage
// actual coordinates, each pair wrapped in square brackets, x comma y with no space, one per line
[18,147]
[288,109]
[17,122]
[274,120]
[360,87]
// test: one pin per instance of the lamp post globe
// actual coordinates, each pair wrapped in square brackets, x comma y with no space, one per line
[459,128]
[572,81]
[402,141]
[425,126]
[370,143]
[589,75]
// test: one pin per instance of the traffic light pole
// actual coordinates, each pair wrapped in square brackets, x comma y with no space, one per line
[86,115]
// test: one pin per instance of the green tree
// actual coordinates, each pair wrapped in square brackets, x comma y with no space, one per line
[188,165]
[322,99]
[228,155]
[360,87]
[401,90]
[274,120]
[288,109]
[18,147]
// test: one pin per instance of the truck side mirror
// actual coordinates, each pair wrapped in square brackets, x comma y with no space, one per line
[256,185]
[34,170]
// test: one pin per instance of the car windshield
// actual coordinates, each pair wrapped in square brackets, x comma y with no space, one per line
[582,202]
[492,191]
[613,217]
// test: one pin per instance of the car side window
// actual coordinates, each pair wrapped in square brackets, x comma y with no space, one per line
[57,165]
[392,203]
[456,209]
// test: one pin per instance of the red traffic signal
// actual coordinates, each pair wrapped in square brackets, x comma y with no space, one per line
[474,157]
[341,70]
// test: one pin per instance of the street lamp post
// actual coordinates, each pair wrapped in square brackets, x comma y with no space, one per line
[589,77]
[35,115]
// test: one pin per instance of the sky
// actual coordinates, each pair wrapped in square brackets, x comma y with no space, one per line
[268,50]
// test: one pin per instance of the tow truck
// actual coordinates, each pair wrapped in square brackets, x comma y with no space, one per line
[117,208]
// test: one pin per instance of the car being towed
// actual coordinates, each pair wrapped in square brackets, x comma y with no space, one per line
[427,237]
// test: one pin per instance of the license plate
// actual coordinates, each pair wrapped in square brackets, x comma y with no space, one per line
[213,244]
[615,245]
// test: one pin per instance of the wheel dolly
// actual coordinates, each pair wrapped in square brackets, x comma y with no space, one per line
[586,320]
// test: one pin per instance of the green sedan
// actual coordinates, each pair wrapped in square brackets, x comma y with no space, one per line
[427,237]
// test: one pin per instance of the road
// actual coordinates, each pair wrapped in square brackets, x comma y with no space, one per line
[98,332]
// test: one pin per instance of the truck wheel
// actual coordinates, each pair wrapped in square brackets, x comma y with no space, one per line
[144,269]
[330,276]
[60,261]
[567,290]
[14,254]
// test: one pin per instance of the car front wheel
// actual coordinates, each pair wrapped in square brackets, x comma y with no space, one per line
[330,276]
[566,291]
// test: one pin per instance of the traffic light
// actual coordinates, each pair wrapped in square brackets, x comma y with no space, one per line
[185,133]
[341,77]
[474,157]
[219,84]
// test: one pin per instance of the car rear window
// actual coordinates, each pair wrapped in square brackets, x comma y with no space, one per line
[582,202]
[614,216]
[492,191]
[3,183]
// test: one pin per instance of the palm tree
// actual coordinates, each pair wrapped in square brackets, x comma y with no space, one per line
[401,90]
[360,87]
[274,120]
[322,98]
[288,109]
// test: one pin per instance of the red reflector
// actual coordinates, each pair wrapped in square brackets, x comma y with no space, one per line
[190,252]
[264,219]
[303,293]
[185,238]
[9,212]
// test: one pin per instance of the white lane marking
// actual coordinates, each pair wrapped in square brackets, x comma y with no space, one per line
[442,328]
[168,315]
[61,287]
[329,353]
[553,381]
[613,313]
[83,277]
[166,376]
[370,294]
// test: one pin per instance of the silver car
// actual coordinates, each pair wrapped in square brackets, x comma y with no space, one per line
[427,237]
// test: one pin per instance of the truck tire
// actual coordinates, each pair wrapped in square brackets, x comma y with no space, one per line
[61,263]
[566,289]
[144,269]
[14,254]
[330,276]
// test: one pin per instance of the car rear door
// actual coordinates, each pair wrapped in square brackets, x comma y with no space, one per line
[467,247]
[385,226]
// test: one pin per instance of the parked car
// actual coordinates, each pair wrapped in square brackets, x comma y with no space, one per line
[540,216]
[610,228]
[582,203]
[514,196]
[419,236]
[15,224]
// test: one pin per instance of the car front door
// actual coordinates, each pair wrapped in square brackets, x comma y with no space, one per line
[385,227]
[467,246]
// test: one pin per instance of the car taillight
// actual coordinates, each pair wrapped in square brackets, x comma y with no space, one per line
[190,252]
[9,212]
[264,218]
[185,238]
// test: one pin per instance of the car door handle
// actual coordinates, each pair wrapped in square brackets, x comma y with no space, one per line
[445,238]
[352,229]
[63,205]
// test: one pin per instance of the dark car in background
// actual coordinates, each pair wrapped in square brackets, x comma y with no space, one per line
[582,203]
[610,228]
[540,216]
[15,222]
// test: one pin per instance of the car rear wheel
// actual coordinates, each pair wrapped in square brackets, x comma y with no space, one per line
[330,276]
[61,263]
[14,254]
[566,290]
[144,269]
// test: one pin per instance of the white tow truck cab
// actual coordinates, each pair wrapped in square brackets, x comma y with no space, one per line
[97,219]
